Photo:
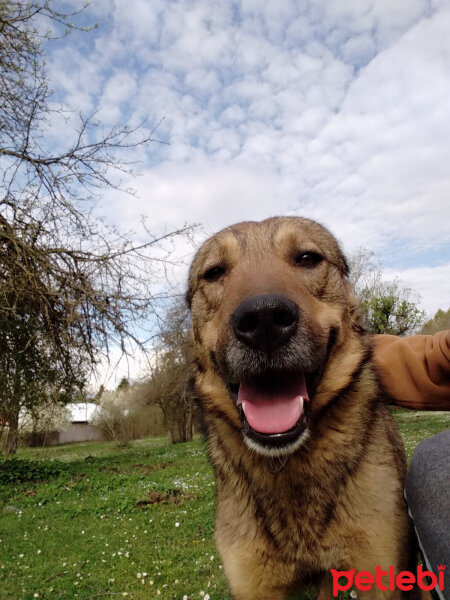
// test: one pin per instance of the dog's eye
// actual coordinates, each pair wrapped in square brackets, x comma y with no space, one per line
[214,273]
[307,259]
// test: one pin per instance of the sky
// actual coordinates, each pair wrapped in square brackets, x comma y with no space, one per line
[338,111]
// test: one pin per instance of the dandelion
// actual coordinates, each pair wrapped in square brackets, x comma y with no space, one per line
[35,595]
[177,524]
[39,551]
[353,594]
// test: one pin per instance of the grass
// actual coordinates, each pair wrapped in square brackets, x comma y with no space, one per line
[416,425]
[98,521]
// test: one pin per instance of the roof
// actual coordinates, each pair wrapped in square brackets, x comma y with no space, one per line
[81,412]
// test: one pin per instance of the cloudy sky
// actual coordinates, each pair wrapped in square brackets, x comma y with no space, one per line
[338,111]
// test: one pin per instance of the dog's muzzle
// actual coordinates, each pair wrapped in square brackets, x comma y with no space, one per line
[272,401]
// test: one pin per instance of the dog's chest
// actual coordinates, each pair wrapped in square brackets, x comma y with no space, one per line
[282,514]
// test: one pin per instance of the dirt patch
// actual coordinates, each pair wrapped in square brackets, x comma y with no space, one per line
[157,497]
[149,469]
[142,467]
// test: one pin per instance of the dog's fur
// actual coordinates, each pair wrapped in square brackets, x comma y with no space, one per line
[333,497]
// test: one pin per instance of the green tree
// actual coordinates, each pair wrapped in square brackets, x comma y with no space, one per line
[439,322]
[70,286]
[387,306]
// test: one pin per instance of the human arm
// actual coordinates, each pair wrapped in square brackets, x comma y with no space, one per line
[415,370]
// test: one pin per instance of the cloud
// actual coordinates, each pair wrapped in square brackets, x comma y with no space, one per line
[334,110]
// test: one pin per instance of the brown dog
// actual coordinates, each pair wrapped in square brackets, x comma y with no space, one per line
[309,466]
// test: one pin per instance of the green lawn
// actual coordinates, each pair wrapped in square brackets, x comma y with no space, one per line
[104,522]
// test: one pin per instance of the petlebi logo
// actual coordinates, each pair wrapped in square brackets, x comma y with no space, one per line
[387,580]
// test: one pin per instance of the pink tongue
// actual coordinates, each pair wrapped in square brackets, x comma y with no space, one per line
[273,410]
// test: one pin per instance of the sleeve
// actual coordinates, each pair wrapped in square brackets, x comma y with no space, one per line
[415,370]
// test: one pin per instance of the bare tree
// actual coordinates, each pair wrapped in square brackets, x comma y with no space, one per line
[70,285]
[170,383]
[124,414]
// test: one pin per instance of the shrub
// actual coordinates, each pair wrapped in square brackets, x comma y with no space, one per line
[16,470]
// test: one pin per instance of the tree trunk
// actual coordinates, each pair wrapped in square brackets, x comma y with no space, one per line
[12,437]
[188,424]
[179,422]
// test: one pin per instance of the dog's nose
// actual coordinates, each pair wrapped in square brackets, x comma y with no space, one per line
[265,322]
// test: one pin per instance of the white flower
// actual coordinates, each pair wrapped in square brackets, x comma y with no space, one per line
[353,594]
[177,524]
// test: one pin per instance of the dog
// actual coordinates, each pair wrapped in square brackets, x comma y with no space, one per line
[309,466]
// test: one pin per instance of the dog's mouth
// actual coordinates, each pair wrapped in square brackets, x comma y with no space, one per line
[273,408]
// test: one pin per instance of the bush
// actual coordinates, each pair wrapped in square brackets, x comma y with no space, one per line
[16,470]
[124,415]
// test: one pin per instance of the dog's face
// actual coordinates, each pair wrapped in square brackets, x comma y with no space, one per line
[270,302]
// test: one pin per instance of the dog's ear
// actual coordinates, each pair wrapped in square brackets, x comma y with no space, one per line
[354,310]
